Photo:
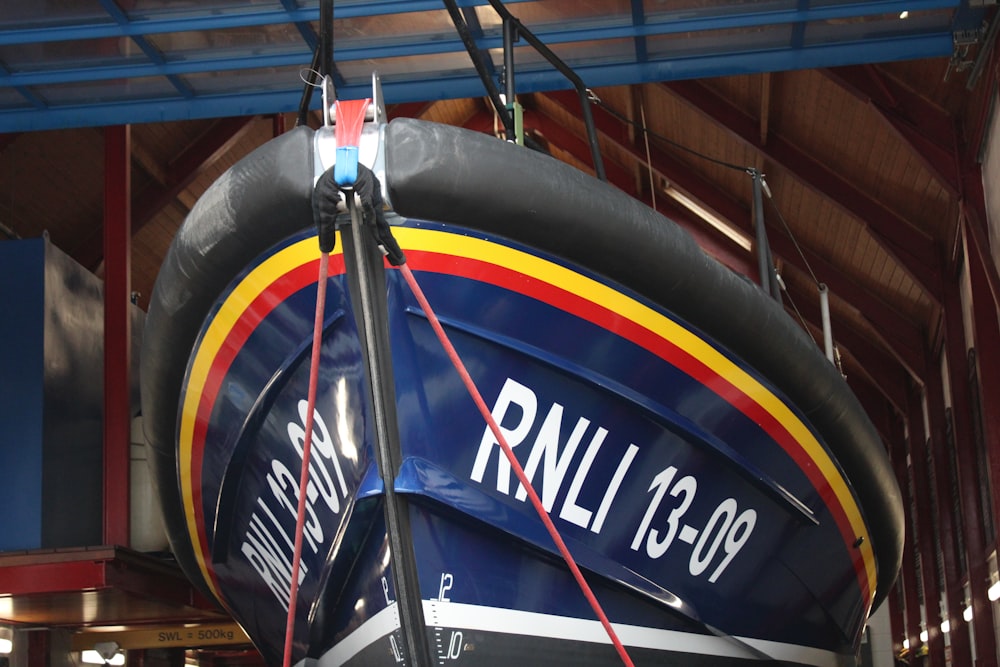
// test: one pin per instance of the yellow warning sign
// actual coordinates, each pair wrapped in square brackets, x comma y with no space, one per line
[164,636]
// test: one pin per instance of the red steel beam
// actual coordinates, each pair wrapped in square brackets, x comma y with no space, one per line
[961,651]
[117,332]
[897,624]
[40,651]
[713,242]
[904,340]
[927,128]
[180,172]
[877,406]
[96,569]
[911,247]
[975,217]
[559,135]
[968,477]
[7,138]
[32,579]
[929,532]
[870,391]
[909,616]
[987,337]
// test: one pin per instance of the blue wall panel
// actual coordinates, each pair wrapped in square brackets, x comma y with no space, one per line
[22,286]
[51,399]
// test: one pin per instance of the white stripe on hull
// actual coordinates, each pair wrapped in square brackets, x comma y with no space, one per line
[462,616]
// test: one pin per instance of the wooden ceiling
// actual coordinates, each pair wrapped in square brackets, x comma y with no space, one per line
[868,166]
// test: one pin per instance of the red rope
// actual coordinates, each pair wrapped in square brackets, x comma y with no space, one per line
[350,121]
[324,261]
[514,463]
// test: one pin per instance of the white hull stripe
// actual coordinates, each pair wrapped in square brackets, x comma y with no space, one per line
[510,621]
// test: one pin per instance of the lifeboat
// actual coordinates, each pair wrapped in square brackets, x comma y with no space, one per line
[711,473]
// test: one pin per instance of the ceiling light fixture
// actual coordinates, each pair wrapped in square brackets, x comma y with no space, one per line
[91,657]
[104,653]
[6,640]
[994,592]
[715,221]
[904,14]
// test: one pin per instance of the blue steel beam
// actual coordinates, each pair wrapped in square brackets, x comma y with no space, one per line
[139,25]
[417,46]
[638,19]
[440,88]
[305,29]
[695,66]
[146,47]
[149,69]
[26,93]
[664,23]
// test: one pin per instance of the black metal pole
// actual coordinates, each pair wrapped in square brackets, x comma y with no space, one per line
[595,146]
[765,267]
[307,92]
[566,71]
[325,36]
[508,60]
[366,277]
[477,61]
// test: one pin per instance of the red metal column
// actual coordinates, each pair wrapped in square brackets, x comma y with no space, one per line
[968,478]
[909,615]
[117,332]
[928,531]
[988,355]
[961,647]
[39,648]
[897,624]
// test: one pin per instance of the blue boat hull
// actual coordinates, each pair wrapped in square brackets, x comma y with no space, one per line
[713,516]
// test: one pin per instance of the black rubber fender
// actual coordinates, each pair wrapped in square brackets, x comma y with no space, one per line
[259,201]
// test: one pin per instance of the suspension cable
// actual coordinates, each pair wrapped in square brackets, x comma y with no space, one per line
[802,320]
[324,260]
[646,131]
[798,248]
[514,463]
